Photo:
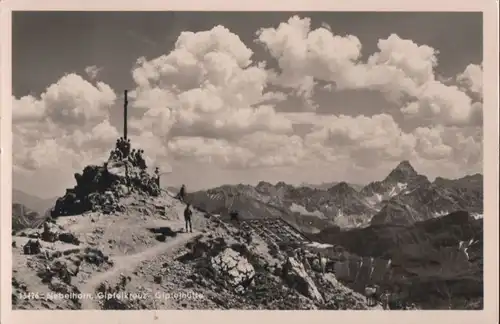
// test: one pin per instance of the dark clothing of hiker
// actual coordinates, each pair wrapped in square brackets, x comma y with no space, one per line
[157,177]
[139,160]
[234,215]
[182,193]
[126,148]
[187,218]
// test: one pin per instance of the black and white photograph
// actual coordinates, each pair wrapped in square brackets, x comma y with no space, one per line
[232,160]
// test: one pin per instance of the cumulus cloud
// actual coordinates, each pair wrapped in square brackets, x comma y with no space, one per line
[207,84]
[92,71]
[449,151]
[365,140]
[259,149]
[70,102]
[472,78]
[401,69]
[67,125]
[442,104]
[208,101]
[304,55]
[205,98]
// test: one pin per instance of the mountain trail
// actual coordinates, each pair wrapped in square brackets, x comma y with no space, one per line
[127,263]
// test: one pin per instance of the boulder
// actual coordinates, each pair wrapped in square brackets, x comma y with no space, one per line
[95,256]
[32,247]
[235,268]
[68,237]
[50,232]
[340,296]
[297,277]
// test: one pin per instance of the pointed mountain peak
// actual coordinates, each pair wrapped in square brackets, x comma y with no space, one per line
[341,187]
[402,171]
[405,165]
[264,184]
[282,184]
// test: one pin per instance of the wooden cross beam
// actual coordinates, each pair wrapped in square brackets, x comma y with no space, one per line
[125,114]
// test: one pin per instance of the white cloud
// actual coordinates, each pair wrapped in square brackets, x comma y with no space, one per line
[365,140]
[208,98]
[213,91]
[449,151]
[92,71]
[208,102]
[441,104]
[400,69]
[66,127]
[256,150]
[472,78]
[304,55]
[207,86]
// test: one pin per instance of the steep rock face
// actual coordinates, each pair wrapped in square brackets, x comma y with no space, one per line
[296,276]
[350,206]
[429,200]
[402,179]
[101,187]
[423,260]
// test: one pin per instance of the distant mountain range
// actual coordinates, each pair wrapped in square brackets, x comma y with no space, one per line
[29,211]
[39,205]
[23,217]
[327,185]
[403,197]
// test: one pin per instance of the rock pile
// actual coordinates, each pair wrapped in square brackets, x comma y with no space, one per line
[99,188]
[235,268]
[52,233]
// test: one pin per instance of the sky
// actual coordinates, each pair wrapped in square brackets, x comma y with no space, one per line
[240,97]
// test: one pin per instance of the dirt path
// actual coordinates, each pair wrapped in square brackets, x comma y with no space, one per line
[130,262]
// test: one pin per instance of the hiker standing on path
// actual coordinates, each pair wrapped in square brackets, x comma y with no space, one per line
[157,176]
[182,193]
[187,218]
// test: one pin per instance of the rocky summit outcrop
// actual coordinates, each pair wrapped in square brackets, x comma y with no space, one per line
[99,188]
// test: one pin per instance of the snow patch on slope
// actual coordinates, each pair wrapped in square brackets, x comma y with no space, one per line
[477,215]
[440,213]
[303,211]
[319,245]
[394,191]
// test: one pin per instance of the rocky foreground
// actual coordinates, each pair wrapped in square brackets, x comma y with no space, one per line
[142,253]
[116,241]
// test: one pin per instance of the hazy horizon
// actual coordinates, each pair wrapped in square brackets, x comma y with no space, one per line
[254,183]
[227,98]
